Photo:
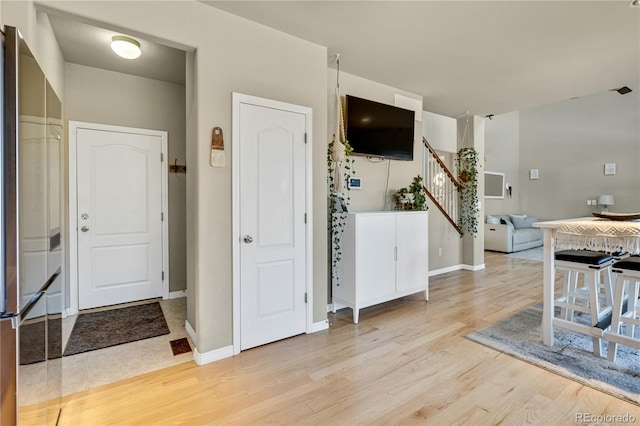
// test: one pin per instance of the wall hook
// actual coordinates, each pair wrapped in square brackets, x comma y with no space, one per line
[177,168]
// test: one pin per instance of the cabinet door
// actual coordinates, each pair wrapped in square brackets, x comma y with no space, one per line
[375,265]
[412,239]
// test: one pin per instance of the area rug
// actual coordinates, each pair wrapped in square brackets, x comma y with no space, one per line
[98,330]
[535,254]
[571,356]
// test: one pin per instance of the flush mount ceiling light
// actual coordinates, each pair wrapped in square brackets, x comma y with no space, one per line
[635,3]
[126,47]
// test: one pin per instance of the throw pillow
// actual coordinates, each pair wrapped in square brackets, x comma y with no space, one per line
[492,220]
[519,221]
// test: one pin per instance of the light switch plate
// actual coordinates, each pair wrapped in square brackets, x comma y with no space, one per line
[354,183]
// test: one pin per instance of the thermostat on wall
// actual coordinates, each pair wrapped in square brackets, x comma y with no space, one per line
[354,183]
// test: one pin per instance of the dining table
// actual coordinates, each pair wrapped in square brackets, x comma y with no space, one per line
[588,233]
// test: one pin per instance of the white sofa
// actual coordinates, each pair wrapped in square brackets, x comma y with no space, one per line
[511,233]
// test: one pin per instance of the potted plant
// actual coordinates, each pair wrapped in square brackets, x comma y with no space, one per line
[413,197]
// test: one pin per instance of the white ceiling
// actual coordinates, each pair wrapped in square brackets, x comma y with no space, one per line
[91,46]
[485,57]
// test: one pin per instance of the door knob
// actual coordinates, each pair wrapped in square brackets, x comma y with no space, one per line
[248,239]
[84,228]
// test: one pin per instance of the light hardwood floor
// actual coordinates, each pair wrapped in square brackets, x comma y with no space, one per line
[406,362]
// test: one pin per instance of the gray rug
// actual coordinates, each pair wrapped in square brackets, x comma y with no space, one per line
[571,356]
[98,330]
[535,254]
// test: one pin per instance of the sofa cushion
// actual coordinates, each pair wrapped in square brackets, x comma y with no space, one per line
[583,256]
[527,222]
[526,235]
[519,221]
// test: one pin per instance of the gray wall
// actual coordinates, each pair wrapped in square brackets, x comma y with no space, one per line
[373,172]
[445,244]
[99,96]
[502,153]
[568,142]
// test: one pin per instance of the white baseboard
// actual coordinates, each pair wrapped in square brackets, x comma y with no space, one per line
[319,326]
[212,356]
[177,294]
[473,267]
[190,331]
[454,268]
[445,270]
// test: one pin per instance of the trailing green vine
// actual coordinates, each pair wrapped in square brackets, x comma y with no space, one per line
[467,165]
[338,202]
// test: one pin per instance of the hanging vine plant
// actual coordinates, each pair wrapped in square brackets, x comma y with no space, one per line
[467,165]
[338,174]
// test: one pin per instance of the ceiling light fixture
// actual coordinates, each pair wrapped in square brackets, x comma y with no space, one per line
[635,3]
[126,47]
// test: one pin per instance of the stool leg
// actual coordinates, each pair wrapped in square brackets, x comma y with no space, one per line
[616,313]
[632,303]
[565,292]
[608,287]
[591,282]
[572,277]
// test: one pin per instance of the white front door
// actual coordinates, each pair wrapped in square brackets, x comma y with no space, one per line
[272,163]
[119,196]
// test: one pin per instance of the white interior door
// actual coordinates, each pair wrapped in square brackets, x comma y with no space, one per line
[272,224]
[119,196]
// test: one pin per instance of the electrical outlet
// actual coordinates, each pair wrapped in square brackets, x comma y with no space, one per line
[440,251]
[588,202]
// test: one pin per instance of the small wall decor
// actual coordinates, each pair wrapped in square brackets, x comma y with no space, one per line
[217,148]
[609,169]
[533,174]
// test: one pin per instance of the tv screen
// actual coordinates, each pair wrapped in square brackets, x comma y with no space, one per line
[379,130]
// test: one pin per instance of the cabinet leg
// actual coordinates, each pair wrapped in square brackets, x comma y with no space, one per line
[356,314]
[426,294]
[333,307]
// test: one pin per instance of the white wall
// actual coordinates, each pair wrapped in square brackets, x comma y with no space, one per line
[440,131]
[100,96]
[232,55]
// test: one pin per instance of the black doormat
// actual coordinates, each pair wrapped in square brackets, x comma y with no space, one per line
[180,346]
[98,330]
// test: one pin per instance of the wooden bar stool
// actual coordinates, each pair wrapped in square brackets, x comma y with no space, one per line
[594,296]
[626,306]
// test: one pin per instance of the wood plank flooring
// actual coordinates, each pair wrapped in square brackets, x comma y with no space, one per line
[406,362]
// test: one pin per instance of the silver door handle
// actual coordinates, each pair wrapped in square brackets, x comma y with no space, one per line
[248,239]
[84,228]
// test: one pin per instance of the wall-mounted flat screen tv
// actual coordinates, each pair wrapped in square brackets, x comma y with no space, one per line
[379,130]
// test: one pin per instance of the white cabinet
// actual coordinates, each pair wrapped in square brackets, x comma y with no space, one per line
[385,255]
